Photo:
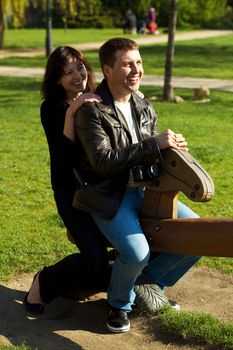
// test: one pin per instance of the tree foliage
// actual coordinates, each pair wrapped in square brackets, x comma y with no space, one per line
[201,13]
[18,8]
[96,13]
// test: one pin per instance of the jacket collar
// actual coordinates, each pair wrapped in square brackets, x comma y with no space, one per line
[108,103]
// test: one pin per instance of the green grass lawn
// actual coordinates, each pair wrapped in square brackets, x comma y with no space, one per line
[208,129]
[203,58]
[34,38]
[31,232]
[210,58]
[32,235]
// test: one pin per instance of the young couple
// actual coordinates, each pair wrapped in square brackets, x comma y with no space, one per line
[99,135]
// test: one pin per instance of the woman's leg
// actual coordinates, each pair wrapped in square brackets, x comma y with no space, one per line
[87,269]
[125,234]
[87,237]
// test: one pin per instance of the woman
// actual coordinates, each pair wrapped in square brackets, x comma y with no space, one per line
[68,83]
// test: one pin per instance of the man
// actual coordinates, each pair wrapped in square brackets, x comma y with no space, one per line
[114,137]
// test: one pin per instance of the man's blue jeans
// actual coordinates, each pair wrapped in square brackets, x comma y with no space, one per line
[125,234]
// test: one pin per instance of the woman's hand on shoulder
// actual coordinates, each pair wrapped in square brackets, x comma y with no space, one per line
[74,105]
[86,97]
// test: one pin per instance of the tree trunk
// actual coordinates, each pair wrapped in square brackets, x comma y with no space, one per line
[168,93]
[48,39]
[2,27]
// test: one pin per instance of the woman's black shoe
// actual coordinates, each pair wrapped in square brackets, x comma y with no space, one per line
[35,309]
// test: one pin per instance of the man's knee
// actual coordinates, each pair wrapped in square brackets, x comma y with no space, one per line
[136,256]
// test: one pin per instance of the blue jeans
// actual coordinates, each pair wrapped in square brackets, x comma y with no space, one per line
[126,235]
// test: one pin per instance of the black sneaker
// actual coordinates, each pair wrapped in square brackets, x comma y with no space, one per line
[174,305]
[117,321]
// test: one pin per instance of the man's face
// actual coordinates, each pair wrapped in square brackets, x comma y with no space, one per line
[126,74]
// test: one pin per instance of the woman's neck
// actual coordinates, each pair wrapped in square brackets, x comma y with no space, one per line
[72,97]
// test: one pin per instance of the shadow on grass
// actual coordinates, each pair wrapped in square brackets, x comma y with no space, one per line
[16,89]
[16,84]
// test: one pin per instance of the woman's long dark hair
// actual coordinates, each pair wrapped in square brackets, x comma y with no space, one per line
[51,89]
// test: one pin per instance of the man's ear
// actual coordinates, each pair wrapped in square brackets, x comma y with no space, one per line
[107,70]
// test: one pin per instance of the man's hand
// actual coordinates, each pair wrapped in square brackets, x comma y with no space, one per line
[169,138]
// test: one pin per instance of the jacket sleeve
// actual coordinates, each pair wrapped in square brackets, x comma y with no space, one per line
[96,139]
[153,118]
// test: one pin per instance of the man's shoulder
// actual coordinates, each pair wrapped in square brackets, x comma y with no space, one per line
[88,107]
[140,100]
[94,110]
[143,105]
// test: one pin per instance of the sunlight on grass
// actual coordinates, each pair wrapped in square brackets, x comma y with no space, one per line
[201,328]
[34,38]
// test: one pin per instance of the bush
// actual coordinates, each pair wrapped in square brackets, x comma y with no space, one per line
[93,21]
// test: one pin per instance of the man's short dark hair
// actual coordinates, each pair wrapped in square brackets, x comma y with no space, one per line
[107,52]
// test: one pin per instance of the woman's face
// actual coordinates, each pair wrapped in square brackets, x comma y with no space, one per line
[74,78]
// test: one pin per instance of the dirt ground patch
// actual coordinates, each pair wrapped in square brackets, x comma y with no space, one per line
[80,325]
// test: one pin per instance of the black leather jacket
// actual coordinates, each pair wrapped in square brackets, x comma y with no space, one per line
[106,152]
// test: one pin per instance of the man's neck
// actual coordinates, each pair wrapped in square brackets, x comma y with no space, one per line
[119,96]
[122,99]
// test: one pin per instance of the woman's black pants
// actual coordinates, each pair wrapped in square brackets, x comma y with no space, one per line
[89,269]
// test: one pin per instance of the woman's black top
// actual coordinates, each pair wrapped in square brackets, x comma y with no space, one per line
[63,153]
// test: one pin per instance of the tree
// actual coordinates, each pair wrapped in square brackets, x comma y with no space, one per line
[168,93]
[15,8]
[48,38]
[2,26]
[201,13]
[18,11]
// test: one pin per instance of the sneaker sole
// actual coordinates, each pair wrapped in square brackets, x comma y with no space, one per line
[118,330]
[174,305]
[181,172]
[150,298]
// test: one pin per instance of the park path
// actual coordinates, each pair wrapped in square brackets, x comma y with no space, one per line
[143,40]
[153,80]
[70,324]
[178,82]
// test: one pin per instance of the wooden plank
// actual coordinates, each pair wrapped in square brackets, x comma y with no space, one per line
[199,236]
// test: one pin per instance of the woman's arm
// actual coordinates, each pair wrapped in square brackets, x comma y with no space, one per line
[71,111]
